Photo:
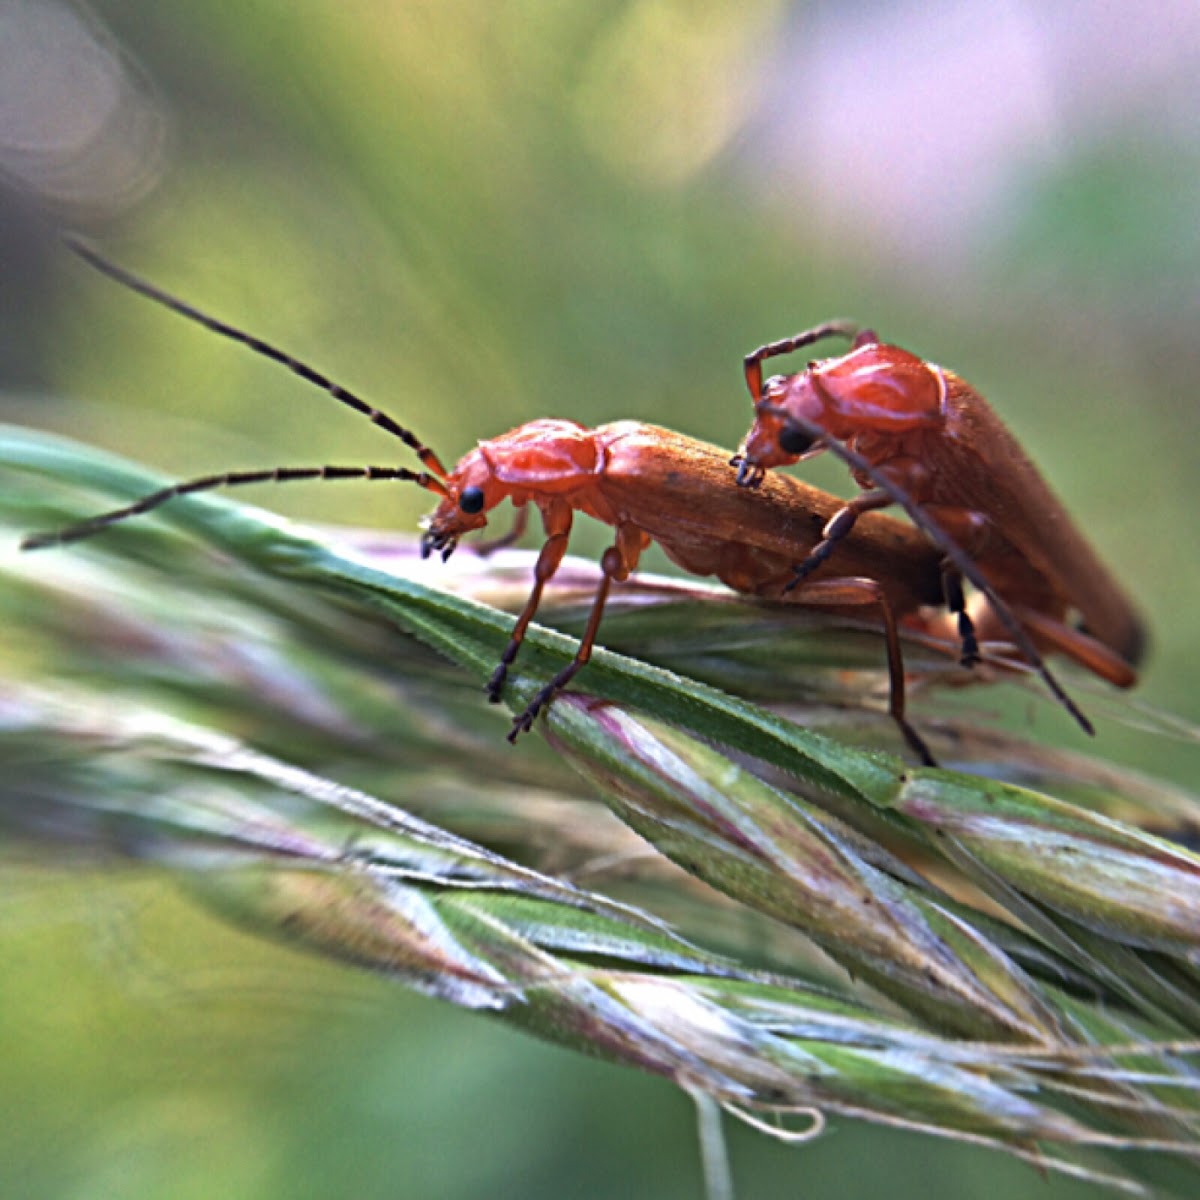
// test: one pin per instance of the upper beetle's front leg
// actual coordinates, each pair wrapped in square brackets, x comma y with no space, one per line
[836,529]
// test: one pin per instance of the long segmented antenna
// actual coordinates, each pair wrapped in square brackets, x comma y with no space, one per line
[344,395]
[752,364]
[954,552]
[431,479]
[206,483]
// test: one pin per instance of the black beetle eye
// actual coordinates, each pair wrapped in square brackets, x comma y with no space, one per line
[471,500]
[793,440]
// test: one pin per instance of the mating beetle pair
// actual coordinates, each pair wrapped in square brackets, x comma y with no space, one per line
[913,434]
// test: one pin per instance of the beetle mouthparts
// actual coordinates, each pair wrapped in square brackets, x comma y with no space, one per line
[749,474]
[443,542]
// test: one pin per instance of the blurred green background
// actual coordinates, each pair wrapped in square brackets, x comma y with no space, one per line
[478,213]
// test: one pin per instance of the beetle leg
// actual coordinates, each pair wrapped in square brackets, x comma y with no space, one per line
[1078,645]
[836,528]
[483,549]
[854,590]
[618,561]
[556,516]
[957,604]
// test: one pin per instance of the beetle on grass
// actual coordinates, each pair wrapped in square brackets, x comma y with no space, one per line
[650,484]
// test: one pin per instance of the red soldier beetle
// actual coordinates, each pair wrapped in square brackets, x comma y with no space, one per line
[649,483]
[917,435]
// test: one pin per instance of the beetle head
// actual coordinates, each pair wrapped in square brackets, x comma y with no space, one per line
[875,389]
[472,491]
[774,439]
